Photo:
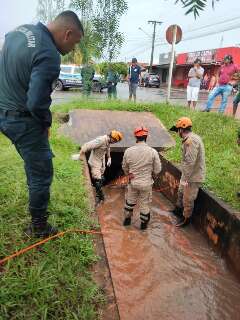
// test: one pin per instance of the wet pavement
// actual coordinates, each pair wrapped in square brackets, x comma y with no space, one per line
[164,273]
[151,95]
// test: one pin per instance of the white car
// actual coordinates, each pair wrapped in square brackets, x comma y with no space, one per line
[69,77]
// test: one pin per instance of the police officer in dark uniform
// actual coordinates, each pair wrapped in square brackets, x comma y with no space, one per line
[87,73]
[29,67]
[112,79]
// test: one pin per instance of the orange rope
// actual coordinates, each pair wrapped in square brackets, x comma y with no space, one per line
[37,244]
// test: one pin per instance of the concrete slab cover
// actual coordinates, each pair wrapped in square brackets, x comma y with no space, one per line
[85,125]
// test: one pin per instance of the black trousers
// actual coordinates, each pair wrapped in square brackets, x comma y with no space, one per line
[31,142]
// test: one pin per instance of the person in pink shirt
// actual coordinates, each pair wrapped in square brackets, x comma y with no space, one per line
[225,84]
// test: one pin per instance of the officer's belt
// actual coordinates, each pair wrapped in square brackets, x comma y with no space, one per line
[14,113]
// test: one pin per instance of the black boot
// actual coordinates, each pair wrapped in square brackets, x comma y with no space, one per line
[183,222]
[127,221]
[39,226]
[145,218]
[178,212]
[99,193]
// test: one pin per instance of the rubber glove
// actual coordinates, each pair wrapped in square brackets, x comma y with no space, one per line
[109,162]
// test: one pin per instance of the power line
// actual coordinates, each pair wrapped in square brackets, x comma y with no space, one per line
[162,42]
[213,24]
[136,52]
[205,34]
[133,39]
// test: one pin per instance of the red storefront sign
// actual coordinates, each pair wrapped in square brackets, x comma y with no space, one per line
[213,56]
[206,56]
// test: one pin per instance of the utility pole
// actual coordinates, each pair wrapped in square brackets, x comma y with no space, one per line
[154,22]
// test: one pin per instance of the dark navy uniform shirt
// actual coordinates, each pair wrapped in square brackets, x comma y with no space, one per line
[29,67]
[134,73]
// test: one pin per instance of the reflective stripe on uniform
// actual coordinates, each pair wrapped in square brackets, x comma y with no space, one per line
[145,217]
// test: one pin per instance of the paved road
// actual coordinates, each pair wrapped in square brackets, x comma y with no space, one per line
[178,96]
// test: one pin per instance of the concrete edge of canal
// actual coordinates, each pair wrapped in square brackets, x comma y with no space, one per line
[101,270]
[218,221]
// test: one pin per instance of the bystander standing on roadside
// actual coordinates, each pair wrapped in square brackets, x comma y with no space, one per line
[134,73]
[225,84]
[236,99]
[195,76]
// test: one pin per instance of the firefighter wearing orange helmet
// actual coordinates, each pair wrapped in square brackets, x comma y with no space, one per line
[99,148]
[140,163]
[193,170]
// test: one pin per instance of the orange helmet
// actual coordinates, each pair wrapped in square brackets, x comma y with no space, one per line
[141,132]
[116,135]
[182,123]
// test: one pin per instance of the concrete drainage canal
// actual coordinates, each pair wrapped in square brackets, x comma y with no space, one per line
[163,272]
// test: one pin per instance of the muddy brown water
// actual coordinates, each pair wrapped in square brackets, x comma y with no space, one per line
[164,273]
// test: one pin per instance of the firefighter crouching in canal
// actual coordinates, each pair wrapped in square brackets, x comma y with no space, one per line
[193,170]
[100,147]
[140,163]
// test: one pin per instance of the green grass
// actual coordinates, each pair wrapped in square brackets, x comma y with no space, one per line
[54,282]
[219,135]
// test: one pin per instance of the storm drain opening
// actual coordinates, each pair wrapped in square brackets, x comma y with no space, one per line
[113,175]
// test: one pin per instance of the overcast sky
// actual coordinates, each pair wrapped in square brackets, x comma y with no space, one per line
[137,43]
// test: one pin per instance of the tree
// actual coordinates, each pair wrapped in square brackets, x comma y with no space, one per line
[86,49]
[84,8]
[120,67]
[47,10]
[106,23]
[88,46]
[195,6]
[104,16]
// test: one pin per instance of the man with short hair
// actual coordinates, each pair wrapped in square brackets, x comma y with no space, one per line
[134,73]
[225,84]
[195,76]
[193,170]
[29,69]
[140,163]
[99,148]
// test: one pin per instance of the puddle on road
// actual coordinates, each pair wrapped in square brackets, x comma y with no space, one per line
[164,273]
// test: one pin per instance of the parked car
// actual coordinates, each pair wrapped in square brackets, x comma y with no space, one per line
[69,77]
[99,83]
[151,80]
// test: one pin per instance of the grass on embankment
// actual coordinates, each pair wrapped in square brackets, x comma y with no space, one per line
[218,133]
[54,282]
